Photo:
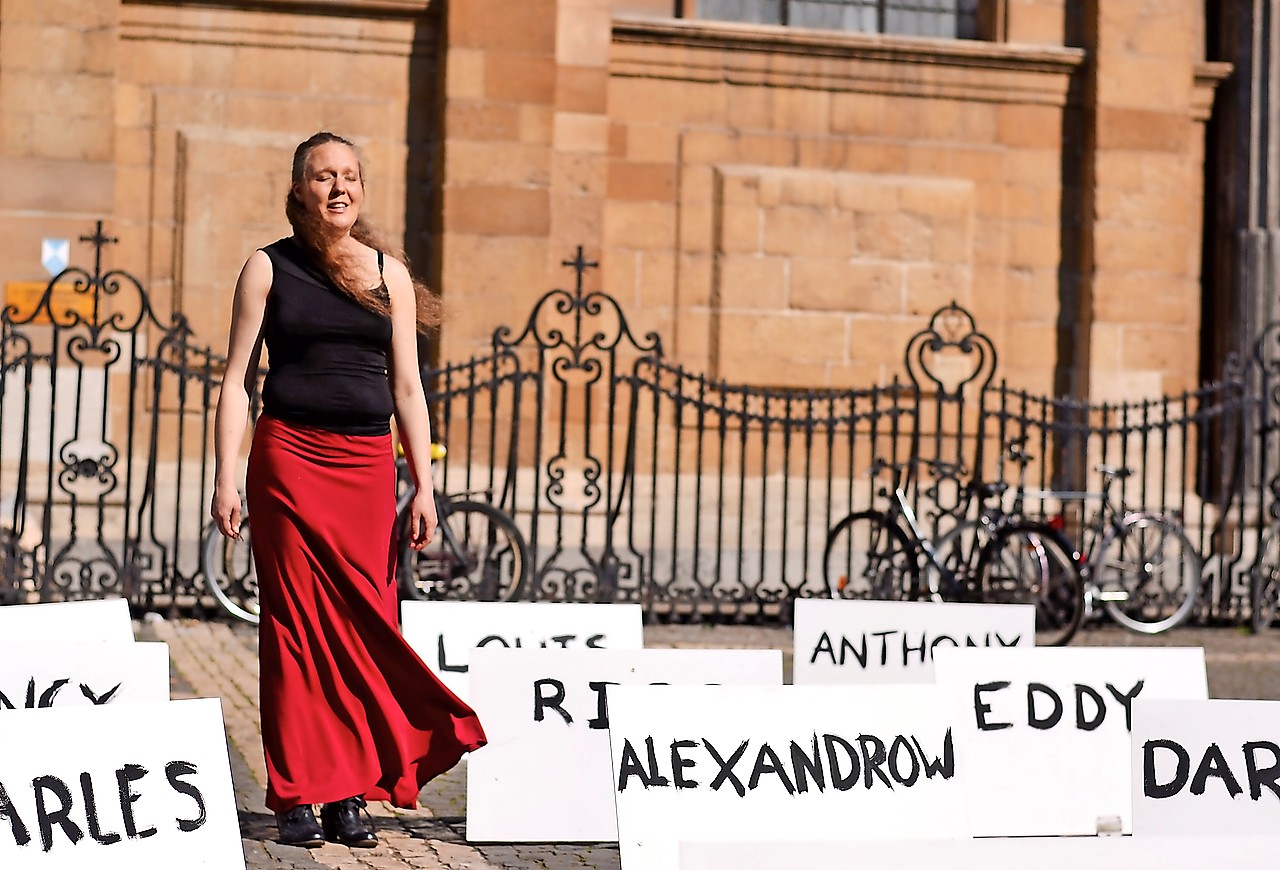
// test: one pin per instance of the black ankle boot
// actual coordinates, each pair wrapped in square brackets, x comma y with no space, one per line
[342,824]
[298,827]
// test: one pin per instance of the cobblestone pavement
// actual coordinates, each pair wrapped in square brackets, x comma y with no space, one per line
[213,659]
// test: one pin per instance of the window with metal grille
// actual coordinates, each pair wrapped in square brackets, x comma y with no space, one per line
[953,19]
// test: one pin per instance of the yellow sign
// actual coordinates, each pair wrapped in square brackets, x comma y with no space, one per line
[26,295]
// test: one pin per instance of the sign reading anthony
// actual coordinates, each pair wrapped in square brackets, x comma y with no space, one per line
[789,762]
[894,641]
[545,775]
[1043,734]
[444,633]
[1202,767]
[34,675]
[128,787]
[96,620]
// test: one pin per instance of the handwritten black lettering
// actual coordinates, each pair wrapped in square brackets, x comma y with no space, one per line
[554,700]
[1214,764]
[174,771]
[46,819]
[21,836]
[126,776]
[1151,786]
[1043,723]
[1083,722]
[827,761]
[981,708]
[601,721]
[1260,777]
[917,649]
[1126,699]
[444,665]
[91,813]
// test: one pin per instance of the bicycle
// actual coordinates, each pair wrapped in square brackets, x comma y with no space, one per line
[477,552]
[1139,565]
[1264,581]
[1021,562]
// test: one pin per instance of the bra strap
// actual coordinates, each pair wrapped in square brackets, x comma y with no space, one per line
[379,263]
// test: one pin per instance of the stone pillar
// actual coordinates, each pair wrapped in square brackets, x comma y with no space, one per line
[57,124]
[499,107]
[1139,323]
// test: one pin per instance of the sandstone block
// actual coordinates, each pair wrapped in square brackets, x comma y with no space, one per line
[639,225]
[858,114]
[741,229]
[583,35]
[495,210]
[932,286]
[464,73]
[519,78]
[526,26]
[752,282]
[830,284]
[1034,245]
[496,164]
[1143,130]
[581,134]
[810,232]
[1026,126]
[582,89]
[470,120]
[892,236]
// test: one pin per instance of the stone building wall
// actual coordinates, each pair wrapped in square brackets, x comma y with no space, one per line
[747,190]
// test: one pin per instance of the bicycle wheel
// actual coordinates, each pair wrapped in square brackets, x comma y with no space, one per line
[228,570]
[1264,583]
[958,551]
[1030,563]
[868,556]
[1147,573]
[477,553]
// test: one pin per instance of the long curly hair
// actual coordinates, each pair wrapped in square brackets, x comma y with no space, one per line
[344,268]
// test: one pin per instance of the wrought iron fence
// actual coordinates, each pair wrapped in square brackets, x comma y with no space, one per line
[633,478]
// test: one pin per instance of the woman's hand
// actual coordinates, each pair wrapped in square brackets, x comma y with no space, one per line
[225,510]
[422,518]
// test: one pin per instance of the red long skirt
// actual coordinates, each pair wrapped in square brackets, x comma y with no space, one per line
[347,707]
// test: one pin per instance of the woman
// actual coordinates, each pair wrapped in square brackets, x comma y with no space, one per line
[349,712]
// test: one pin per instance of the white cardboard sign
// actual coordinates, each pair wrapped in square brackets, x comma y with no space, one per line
[105,619]
[1042,735]
[444,633]
[34,675]
[1203,767]
[894,641]
[545,775]
[128,787]
[994,853]
[808,762]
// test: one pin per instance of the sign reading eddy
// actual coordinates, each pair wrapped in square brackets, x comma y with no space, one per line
[1044,733]
[545,775]
[895,641]
[444,633]
[790,762]
[137,787]
[1202,767]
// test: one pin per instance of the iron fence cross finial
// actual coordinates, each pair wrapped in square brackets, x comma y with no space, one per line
[580,264]
[99,240]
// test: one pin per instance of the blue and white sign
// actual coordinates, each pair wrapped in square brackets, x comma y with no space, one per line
[55,255]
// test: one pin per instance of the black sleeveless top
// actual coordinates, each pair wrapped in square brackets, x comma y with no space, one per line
[327,354]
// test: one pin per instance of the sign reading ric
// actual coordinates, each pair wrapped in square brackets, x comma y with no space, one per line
[35,675]
[545,775]
[129,787]
[444,633]
[895,641]
[790,762]
[91,621]
[1203,767]
[1044,733]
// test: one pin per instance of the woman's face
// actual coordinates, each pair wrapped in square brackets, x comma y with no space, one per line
[330,187]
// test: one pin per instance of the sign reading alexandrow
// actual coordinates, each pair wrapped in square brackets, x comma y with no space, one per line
[895,641]
[1206,767]
[128,787]
[789,762]
[1043,734]
[444,633]
[545,775]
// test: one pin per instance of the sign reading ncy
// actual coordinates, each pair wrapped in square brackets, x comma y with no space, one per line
[444,633]
[1043,733]
[137,787]
[35,675]
[545,775]
[894,641]
[1202,767]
